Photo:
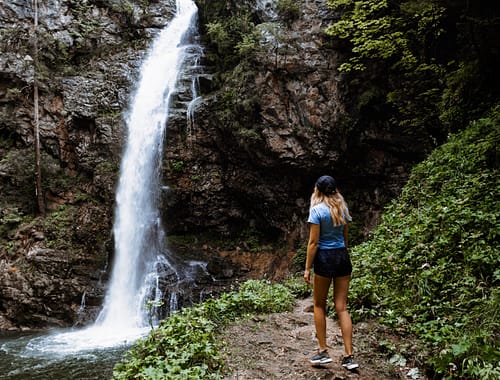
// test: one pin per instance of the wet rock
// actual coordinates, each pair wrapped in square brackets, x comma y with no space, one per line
[89,57]
[245,156]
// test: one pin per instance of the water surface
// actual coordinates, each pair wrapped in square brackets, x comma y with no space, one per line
[31,356]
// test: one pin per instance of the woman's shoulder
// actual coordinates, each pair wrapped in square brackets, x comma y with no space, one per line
[320,207]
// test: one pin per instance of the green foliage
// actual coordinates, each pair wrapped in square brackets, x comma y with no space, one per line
[185,345]
[178,166]
[14,93]
[423,57]
[233,38]
[288,10]
[298,286]
[9,217]
[15,37]
[431,267]
[124,6]
[248,45]
[418,105]
[151,306]
[106,168]
[299,260]
[85,25]
[379,29]
[57,226]
[251,239]
[461,87]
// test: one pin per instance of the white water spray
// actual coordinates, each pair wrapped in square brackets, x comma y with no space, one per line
[137,230]
[140,264]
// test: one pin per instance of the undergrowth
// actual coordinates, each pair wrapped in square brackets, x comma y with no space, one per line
[432,267]
[185,346]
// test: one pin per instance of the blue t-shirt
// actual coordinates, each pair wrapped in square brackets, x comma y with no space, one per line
[330,236]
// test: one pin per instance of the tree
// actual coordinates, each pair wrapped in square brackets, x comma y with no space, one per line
[36,122]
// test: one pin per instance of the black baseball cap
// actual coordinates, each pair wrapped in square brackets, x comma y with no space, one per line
[326,185]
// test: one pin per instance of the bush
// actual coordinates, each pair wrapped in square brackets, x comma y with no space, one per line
[185,345]
[288,10]
[432,265]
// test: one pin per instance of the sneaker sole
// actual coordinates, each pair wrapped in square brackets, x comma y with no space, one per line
[350,367]
[322,361]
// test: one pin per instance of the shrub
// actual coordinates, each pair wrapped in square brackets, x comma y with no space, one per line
[185,345]
[432,265]
[288,10]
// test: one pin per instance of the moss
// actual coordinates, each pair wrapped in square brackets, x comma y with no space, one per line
[10,217]
[13,93]
[56,226]
[177,166]
[106,168]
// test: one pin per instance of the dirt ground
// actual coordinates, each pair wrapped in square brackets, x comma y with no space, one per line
[278,346]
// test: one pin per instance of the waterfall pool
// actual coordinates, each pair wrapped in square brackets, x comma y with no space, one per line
[63,354]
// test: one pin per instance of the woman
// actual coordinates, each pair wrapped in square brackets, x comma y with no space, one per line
[327,250]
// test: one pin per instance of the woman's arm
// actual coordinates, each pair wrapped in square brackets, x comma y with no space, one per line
[312,247]
[346,233]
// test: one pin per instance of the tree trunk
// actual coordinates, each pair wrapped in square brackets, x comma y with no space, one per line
[36,126]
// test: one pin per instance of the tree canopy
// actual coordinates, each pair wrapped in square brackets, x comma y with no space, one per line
[434,60]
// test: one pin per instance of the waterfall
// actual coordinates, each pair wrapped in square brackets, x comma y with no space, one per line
[139,252]
[142,269]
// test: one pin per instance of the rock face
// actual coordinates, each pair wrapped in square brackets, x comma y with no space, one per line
[245,160]
[256,144]
[89,55]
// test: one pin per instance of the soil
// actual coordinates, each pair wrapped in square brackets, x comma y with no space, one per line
[278,346]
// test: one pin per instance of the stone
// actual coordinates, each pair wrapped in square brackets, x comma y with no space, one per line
[255,141]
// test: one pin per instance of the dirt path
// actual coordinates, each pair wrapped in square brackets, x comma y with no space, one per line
[278,346]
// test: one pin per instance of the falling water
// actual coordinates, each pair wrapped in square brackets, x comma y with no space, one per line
[140,265]
[138,233]
[195,98]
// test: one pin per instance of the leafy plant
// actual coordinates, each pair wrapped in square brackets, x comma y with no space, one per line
[185,345]
[298,286]
[152,306]
[431,267]
[9,217]
[233,38]
[421,57]
[288,10]
[376,29]
[178,166]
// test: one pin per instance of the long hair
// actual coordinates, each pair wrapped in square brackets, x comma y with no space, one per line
[336,203]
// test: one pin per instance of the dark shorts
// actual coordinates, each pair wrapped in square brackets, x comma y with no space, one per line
[332,263]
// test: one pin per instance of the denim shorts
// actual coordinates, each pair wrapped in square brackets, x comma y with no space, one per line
[332,263]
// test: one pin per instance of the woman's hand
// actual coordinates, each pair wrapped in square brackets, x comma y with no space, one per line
[307,276]
[312,247]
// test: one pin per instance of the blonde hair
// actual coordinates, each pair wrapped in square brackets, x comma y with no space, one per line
[336,203]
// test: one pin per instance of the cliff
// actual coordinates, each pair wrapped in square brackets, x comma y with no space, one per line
[241,167]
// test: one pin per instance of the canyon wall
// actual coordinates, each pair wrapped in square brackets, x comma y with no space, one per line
[240,168]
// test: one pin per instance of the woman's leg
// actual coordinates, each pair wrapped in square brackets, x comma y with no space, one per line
[320,292]
[340,290]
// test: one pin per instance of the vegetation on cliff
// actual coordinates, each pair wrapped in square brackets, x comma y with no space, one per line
[413,64]
[431,267]
[424,63]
